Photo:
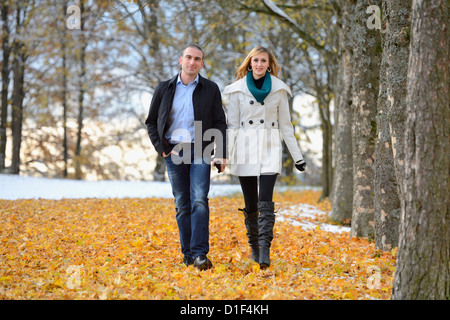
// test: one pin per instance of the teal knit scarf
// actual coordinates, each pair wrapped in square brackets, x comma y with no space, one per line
[259,94]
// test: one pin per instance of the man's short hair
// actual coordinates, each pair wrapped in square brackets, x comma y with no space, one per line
[196,47]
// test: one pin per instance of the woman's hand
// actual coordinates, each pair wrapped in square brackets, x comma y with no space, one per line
[300,165]
[220,164]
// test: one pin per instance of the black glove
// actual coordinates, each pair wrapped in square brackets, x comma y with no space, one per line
[217,165]
[301,165]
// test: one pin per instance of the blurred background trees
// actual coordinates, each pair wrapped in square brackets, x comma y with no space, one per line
[74,96]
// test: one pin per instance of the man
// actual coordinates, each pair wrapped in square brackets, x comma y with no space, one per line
[182,110]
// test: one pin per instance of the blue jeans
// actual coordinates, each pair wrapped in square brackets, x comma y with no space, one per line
[190,187]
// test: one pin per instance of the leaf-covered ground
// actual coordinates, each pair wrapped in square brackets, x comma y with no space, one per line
[129,249]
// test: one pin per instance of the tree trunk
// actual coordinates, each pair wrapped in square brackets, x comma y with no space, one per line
[81,86]
[423,260]
[366,71]
[327,130]
[18,93]
[386,198]
[397,48]
[6,50]
[64,103]
[17,112]
[322,94]
[78,157]
[391,101]
[153,39]
[342,193]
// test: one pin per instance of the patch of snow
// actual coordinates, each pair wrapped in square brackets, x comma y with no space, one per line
[13,187]
[295,215]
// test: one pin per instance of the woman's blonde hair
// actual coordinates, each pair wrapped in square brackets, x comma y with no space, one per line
[243,68]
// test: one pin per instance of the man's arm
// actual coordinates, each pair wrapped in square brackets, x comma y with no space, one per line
[152,119]
[220,123]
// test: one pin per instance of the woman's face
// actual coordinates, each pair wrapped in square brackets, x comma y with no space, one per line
[259,64]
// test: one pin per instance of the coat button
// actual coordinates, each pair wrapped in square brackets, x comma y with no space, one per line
[242,123]
[252,102]
[251,122]
[262,103]
[273,124]
[262,120]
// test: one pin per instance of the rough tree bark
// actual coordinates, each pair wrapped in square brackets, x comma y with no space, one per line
[366,70]
[20,57]
[154,40]
[6,51]
[81,91]
[423,260]
[64,83]
[390,121]
[342,192]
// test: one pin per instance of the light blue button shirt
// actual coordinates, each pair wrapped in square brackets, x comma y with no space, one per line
[181,118]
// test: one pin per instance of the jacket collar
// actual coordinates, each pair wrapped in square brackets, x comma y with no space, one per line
[181,82]
[173,81]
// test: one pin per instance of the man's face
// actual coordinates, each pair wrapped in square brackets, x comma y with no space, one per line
[192,61]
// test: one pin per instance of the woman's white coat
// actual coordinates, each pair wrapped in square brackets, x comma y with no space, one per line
[253,134]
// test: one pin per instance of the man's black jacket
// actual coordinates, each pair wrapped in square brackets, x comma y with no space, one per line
[208,109]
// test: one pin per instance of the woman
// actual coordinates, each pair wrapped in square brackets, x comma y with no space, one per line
[258,110]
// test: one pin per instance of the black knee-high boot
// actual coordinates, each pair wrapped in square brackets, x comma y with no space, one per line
[266,222]
[251,223]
